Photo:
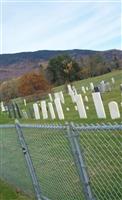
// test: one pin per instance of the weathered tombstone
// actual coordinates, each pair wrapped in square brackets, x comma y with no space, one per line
[83,89]
[74,90]
[73,97]
[18,110]
[25,102]
[114,110]
[113,80]
[61,97]
[121,87]
[92,86]
[76,108]
[98,105]
[87,88]
[69,88]
[51,109]
[24,114]
[102,87]
[44,109]
[14,111]
[59,108]
[96,89]
[67,109]
[80,106]
[107,87]
[2,107]
[50,97]
[87,108]
[36,111]
[86,99]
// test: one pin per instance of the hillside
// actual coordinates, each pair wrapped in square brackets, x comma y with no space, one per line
[14,65]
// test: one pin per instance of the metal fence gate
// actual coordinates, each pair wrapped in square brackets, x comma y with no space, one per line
[63,162]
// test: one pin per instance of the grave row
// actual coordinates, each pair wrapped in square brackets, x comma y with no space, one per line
[54,108]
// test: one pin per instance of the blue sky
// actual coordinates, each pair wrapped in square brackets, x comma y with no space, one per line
[35,26]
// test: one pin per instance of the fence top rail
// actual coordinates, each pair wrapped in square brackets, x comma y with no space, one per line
[7,125]
[75,126]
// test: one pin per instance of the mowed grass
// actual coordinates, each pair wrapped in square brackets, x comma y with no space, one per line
[7,192]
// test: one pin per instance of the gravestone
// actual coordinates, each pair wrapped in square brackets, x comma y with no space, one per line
[87,88]
[114,110]
[36,111]
[2,107]
[113,80]
[44,109]
[80,106]
[57,95]
[69,88]
[92,86]
[51,109]
[59,108]
[74,90]
[107,87]
[24,114]
[50,97]
[83,89]
[98,105]
[25,102]
[67,109]
[76,108]
[61,97]
[86,99]
[73,96]
[18,110]
[96,89]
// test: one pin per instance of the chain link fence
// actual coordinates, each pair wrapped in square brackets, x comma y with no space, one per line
[63,162]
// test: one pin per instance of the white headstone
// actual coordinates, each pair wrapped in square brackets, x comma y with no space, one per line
[76,108]
[69,88]
[83,89]
[114,110]
[61,97]
[87,108]
[36,111]
[25,102]
[2,107]
[51,109]
[50,97]
[57,95]
[67,109]
[113,80]
[80,106]
[91,86]
[74,90]
[98,105]
[73,96]
[44,109]
[87,88]
[86,99]
[59,108]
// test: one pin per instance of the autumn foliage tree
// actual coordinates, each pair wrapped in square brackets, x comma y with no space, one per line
[31,83]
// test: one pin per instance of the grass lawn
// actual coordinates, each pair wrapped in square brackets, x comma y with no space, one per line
[7,192]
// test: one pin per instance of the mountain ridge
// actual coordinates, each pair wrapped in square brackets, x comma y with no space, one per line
[13,65]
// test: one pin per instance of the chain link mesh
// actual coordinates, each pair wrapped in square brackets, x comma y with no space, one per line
[56,170]
[51,155]
[13,168]
[102,149]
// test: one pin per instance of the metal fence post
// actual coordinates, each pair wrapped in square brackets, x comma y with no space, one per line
[79,161]
[28,161]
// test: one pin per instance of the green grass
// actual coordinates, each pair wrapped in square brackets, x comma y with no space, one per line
[8,192]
